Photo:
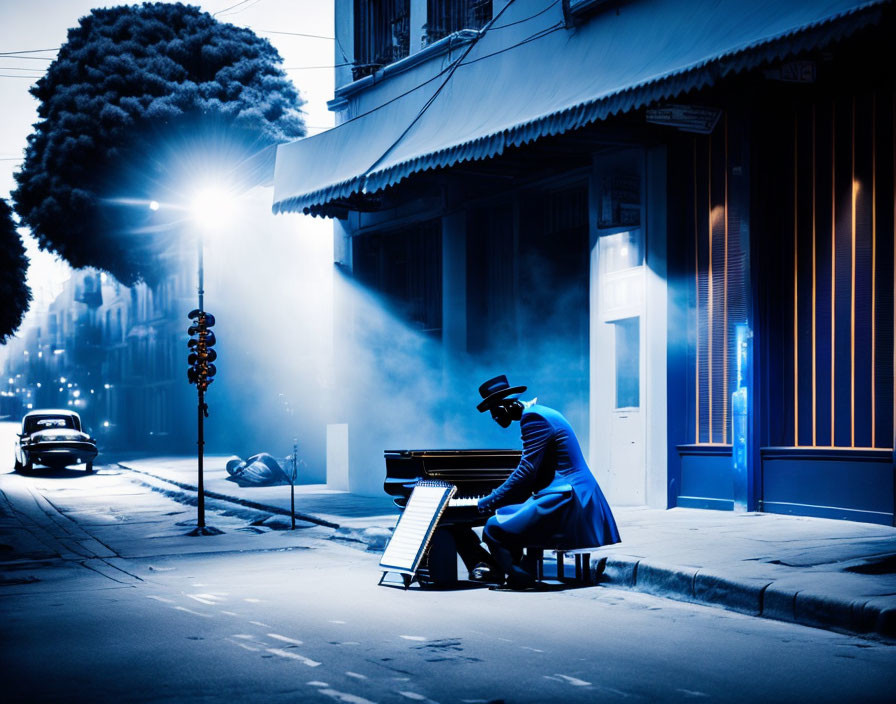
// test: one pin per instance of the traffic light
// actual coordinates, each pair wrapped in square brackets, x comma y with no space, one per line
[201,370]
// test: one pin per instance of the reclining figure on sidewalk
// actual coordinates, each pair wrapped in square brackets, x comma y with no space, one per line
[259,470]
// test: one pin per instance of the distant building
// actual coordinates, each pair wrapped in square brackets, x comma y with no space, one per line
[694,200]
[110,352]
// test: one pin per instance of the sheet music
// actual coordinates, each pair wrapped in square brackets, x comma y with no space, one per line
[415,526]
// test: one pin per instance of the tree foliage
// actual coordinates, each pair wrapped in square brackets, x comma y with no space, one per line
[14,291]
[134,104]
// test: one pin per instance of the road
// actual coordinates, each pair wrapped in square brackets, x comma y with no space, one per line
[103,598]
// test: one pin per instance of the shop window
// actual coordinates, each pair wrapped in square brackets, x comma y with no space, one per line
[628,362]
[829,298]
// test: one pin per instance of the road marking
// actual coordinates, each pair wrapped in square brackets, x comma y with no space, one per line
[294,656]
[317,683]
[277,636]
[190,611]
[201,600]
[355,675]
[230,613]
[345,697]
[245,646]
[691,693]
[412,637]
[337,621]
[413,695]
[259,623]
[244,636]
[160,598]
[252,601]
[574,681]
[534,650]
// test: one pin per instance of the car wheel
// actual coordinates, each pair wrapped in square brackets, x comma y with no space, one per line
[88,466]
[29,466]
[18,465]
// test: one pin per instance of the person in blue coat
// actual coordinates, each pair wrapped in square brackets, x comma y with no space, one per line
[551,500]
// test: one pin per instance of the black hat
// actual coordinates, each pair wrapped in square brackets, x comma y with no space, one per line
[495,390]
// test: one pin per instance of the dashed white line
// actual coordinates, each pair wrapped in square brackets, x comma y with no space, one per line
[277,636]
[355,675]
[412,637]
[201,600]
[345,697]
[252,601]
[190,611]
[244,646]
[294,656]
[574,681]
[160,598]
[230,613]
[534,650]
[260,624]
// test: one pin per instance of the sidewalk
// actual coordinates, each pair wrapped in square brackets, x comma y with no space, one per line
[829,574]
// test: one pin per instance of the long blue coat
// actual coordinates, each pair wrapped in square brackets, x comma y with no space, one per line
[551,500]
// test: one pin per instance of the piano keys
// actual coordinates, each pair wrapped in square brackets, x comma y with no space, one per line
[475,473]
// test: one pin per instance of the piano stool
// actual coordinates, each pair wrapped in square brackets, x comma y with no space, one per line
[582,563]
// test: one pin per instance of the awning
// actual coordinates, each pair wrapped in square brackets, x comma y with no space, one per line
[529,76]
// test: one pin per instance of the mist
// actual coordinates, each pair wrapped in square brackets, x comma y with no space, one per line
[302,345]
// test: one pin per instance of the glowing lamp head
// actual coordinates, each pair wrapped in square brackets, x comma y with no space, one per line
[153,205]
[211,207]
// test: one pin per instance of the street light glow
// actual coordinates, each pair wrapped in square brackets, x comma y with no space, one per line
[153,205]
[211,207]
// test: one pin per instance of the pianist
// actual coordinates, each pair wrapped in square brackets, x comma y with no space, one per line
[551,500]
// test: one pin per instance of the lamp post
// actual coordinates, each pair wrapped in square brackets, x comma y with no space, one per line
[207,209]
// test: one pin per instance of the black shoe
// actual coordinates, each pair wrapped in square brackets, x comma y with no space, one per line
[483,572]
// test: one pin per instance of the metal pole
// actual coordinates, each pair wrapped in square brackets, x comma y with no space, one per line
[200,504]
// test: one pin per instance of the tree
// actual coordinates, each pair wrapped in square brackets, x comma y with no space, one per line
[14,292]
[139,100]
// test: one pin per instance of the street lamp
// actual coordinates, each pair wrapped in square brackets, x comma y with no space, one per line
[210,211]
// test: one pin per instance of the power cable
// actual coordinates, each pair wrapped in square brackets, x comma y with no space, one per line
[538,35]
[453,67]
[295,34]
[243,2]
[27,51]
[307,68]
[526,19]
[231,14]
[449,67]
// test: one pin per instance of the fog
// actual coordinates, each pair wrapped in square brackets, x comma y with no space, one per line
[302,345]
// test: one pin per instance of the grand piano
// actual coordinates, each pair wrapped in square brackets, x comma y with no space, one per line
[474,472]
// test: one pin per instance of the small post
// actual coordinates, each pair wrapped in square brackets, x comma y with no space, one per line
[292,482]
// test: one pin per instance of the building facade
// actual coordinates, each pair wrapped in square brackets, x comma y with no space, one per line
[678,217]
[114,354]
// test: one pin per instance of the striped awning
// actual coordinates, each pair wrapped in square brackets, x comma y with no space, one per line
[528,75]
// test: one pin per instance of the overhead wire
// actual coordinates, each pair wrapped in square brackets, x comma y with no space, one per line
[452,68]
[538,35]
[243,2]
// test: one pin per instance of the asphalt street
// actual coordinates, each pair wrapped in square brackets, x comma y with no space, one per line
[104,598]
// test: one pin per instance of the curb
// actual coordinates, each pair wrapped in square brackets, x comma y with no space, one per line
[754,597]
[308,518]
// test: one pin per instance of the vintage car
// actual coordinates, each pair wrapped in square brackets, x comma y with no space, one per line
[55,439]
